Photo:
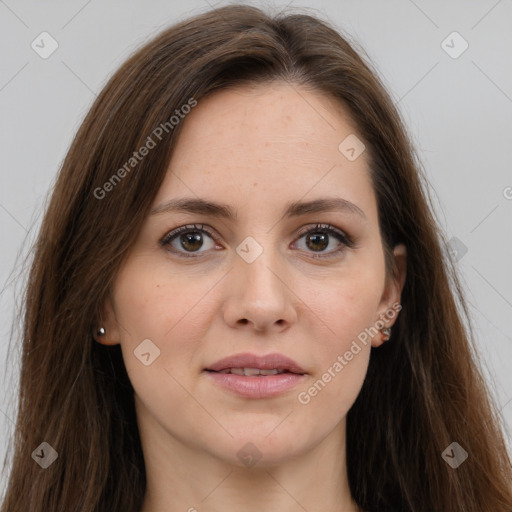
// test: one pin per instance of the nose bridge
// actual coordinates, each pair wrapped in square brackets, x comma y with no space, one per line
[258,263]
[258,292]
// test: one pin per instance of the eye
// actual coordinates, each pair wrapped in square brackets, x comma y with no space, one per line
[188,239]
[319,238]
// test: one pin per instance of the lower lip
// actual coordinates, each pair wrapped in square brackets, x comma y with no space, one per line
[257,387]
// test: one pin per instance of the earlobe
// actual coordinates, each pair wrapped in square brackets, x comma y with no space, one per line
[390,301]
[106,331]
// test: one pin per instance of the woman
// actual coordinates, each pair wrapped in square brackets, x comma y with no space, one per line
[238,225]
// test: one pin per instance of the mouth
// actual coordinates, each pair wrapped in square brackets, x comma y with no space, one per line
[252,365]
[252,376]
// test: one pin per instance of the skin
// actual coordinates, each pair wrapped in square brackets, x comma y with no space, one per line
[254,148]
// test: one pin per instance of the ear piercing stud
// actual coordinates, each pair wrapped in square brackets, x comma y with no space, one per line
[386,331]
[101,332]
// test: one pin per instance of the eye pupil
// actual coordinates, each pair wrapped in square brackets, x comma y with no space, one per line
[191,238]
[317,237]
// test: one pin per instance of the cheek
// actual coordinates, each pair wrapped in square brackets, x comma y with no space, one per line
[345,312]
[156,304]
[347,305]
[341,359]
[152,301]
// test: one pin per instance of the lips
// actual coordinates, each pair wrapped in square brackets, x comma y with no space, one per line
[250,365]
[249,376]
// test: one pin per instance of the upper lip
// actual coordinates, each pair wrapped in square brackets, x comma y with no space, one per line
[267,362]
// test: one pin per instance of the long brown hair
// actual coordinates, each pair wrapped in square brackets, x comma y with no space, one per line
[423,390]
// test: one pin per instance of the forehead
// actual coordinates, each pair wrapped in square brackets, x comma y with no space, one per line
[274,113]
[267,144]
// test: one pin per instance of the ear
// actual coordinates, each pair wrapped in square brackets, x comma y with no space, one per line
[389,305]
[109,322]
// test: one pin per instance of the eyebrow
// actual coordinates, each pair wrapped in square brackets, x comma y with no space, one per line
[294,209]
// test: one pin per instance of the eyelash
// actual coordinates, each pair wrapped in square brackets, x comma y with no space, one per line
[346,240]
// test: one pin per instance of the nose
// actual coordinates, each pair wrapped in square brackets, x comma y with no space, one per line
[258,297]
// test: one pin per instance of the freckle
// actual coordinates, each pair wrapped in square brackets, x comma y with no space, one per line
[255,184]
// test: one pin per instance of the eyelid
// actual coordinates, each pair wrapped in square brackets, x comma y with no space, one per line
[168,237]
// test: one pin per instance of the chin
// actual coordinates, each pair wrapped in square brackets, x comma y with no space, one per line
[262,449]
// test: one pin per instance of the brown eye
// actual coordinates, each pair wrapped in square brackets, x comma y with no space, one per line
[317,241]
[320,237]
[189,239]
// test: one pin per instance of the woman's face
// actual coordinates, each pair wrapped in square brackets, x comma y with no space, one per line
[265,280]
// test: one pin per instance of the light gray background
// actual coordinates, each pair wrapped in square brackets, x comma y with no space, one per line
[458,112]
